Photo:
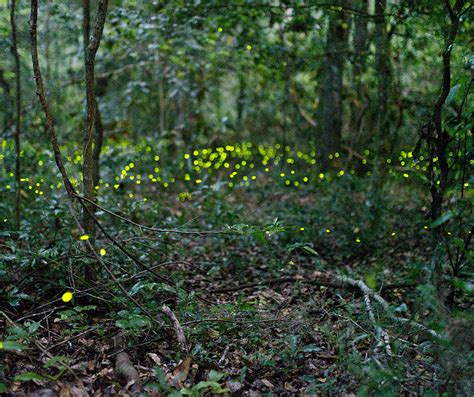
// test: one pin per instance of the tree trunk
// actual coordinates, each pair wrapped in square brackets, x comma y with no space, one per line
[383,134]
[162,94]
[360,46]
[329,115]
[91,45]
[438,140]
[14,50]
[98,143]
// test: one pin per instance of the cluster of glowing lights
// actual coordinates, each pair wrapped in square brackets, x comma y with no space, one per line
[242,163]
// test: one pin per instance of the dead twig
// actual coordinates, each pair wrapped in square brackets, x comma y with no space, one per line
[177,327]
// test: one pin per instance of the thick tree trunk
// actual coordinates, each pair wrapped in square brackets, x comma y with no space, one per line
[329,115]
[14,50]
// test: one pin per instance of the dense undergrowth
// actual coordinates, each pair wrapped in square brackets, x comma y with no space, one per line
[244,228]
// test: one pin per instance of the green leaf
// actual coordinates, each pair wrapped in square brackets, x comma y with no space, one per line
[27,376]
[215,375]
[442,219]
[311,348]
[10,345]
[53,361]
[452,94]
[403,308]
[309,250]
[371,281]
[3,388]
[466,286]
[122,323]
[259,237]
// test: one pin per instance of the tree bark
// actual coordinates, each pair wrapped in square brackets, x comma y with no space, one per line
[16,56]
[438,140]
[44,103]
[91,45]
[329,115]
[361,47]
[384,134]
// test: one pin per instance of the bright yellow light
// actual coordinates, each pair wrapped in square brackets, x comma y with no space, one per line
[103,252]
[67,296]
[84,237]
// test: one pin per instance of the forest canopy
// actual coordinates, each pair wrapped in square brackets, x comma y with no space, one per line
[208,197]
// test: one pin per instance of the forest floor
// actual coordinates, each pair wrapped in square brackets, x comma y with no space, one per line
[254,317]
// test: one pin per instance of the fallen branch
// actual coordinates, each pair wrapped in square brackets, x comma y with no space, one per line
[177,327]
[367,291]
[336,281]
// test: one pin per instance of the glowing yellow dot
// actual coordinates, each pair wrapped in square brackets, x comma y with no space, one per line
[425,227]
[249,47]
[103,252]
[130,195]
[67,296]
[301,229]
[198,181]
[357,240]
[393,234]
[405,175]
[40,163]
[219,30]
[321,176]
[157,158]
[84,237]
[1,344]
[328,231]
[305,179]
